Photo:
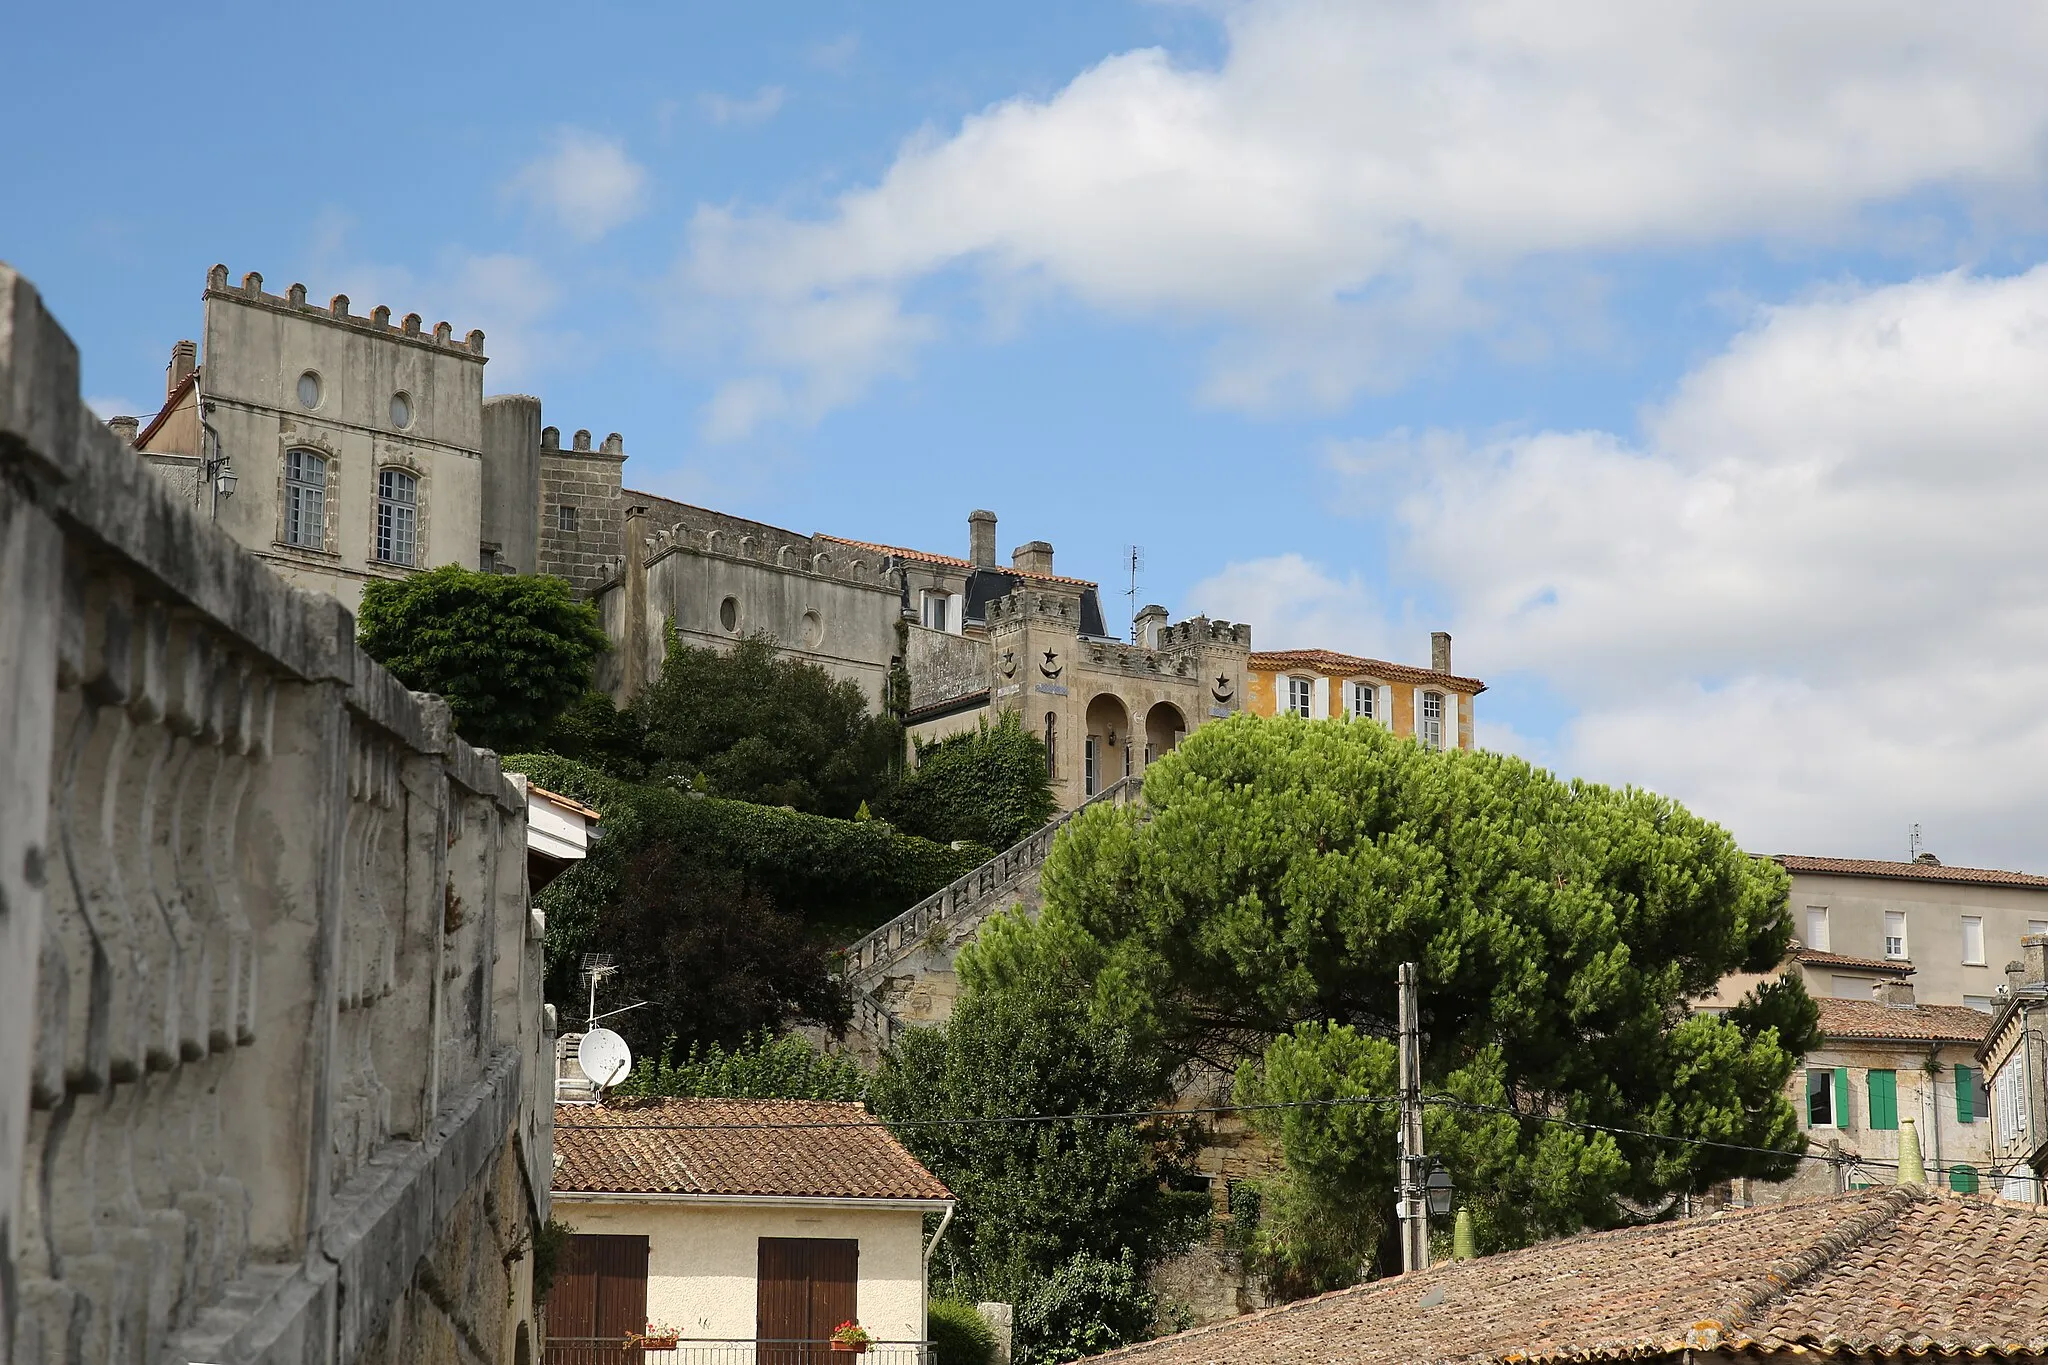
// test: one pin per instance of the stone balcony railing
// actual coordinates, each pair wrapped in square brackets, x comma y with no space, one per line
[270,1019]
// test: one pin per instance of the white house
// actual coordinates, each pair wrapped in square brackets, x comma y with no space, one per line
[733,1224]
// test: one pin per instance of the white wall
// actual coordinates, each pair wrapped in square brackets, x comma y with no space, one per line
[702,1260]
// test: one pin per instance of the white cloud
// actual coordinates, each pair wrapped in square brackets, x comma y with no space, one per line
[585,182]
[1810,602]
[758,107]
[1357,180]
[103,408]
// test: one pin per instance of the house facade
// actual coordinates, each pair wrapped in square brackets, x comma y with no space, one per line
[1860,919]
[1882,1062]
[2015,1058]
[1431,704]
[739,1225]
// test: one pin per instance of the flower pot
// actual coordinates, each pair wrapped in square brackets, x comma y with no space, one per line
[857,1348]
[659,1344]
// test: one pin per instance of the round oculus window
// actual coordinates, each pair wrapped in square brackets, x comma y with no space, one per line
[729,613]
[814,629]
[309,390]
[401,411]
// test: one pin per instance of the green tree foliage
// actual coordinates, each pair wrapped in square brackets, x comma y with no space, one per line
[509,652]
[1254,917]
[959,1334]
[840,877]
[764,1067]
[986,785]
[1043,1207]
[596,733]
[767,729]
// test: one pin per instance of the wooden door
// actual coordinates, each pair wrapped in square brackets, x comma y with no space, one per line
[599,1295]
[807,1286]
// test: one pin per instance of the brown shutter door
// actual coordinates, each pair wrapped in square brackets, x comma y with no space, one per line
[807,1286]
[621,1286]
[572,1302]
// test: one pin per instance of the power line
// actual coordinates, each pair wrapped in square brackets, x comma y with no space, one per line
[1338,1102]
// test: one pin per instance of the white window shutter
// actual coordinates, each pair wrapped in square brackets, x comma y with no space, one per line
[1319,697]
[1415,724]
[1452,722]
[1383,710]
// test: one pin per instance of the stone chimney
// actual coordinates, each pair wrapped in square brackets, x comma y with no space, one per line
[1439,651]
[184,360]
[1894,994]
[125,428]
[1151,623]
[2015,977]
[2034,957]
[1033,556]
[981,539]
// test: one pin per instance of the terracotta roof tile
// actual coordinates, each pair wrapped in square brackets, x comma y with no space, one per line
[1330,661]
[927,557]
[566,802]
[1884,1271]
[1814,957]
[1918,1023]
[796,1148]
[1911,872]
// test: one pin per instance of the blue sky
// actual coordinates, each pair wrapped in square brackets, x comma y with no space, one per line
[1628,342]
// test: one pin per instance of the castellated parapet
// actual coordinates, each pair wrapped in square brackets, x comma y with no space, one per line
[293,300]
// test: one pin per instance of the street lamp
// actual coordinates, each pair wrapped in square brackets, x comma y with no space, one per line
[1439,1189]
[218,471]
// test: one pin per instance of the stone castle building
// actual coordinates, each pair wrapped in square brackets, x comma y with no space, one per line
[343,448]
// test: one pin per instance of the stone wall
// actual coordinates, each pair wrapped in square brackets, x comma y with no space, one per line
[271,1043]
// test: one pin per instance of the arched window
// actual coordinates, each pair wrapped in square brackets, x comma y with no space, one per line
[1299,693]
[1052,746]
[397,517]
[305,499]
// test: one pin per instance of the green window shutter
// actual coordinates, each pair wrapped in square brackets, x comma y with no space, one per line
[1884,1098]
[1966,1095]
[1962,1179]
[1842,1097]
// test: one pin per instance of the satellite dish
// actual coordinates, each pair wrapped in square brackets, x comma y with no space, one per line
[604,1057]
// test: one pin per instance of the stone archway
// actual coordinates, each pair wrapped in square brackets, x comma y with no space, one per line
[1106,747]
[1164,728]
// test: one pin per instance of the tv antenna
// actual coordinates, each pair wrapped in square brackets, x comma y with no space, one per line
[1913,844]
[1134,560]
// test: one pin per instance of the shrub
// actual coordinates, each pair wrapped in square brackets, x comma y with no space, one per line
[959,1333]
[1088,1305]
[764,1067]
[987,785]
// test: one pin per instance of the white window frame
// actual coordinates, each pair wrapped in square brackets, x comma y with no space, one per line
[1361,701]
[1817,916]
[1973,926]
[397,527]
[1430,731]
[1896,946]
[1300,696]
[935,610]
[305,499]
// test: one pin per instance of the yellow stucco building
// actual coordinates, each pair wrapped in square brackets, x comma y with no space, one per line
[1432,704]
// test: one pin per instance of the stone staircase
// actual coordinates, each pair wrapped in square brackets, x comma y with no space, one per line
[902,973]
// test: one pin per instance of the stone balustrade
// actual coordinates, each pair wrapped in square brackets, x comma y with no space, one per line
[272,1060]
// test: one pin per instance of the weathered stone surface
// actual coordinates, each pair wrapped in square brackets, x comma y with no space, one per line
[271,1056]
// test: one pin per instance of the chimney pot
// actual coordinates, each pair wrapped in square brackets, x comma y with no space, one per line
[1440,651]
[184,360]
[1034,556]
[1896,994]
[981,538]
[2034,956]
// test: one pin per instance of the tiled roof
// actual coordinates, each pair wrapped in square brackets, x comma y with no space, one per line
[1918,1023]
[1892,1271]
[1911,872]
[795,1148]
[1331,662]
[927,557]
[566,802]
[1894,966]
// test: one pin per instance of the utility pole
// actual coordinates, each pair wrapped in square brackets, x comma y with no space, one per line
[1410,1205]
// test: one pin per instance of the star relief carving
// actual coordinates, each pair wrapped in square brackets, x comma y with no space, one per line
[1047,667]
[1221,692]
